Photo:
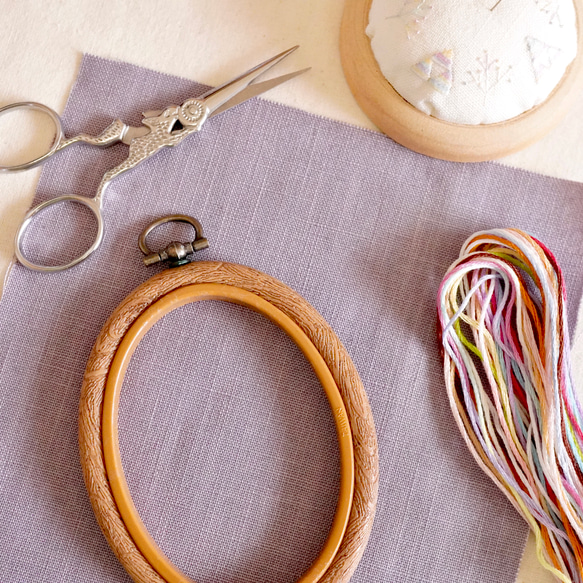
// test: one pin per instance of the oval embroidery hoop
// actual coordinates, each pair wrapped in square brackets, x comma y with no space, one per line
[428,135]
[99,448]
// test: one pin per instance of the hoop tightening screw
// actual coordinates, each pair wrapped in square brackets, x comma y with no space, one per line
[176,253]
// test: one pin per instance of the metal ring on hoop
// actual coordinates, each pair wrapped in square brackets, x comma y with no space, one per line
[143,245]
[102,383]
[58,133]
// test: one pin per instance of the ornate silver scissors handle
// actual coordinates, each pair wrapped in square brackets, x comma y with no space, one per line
[159,129]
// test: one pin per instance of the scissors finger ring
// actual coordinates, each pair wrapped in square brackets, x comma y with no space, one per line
[59,137]
[159,129]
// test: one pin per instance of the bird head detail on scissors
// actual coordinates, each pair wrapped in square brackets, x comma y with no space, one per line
[177,121]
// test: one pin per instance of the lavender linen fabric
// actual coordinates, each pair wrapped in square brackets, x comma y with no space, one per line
[227,441]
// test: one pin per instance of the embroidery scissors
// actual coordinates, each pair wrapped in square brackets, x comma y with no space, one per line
[159,129]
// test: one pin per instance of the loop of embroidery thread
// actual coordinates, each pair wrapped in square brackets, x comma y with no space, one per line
[503,325]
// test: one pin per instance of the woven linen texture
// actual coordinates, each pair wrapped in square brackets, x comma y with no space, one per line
[227,441]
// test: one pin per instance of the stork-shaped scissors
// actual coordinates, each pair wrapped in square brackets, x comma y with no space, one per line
[159,129]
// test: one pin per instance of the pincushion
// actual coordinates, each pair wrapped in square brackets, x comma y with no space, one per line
[464,80]
[473,62]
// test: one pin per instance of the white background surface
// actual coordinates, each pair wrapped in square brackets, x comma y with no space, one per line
[41,45]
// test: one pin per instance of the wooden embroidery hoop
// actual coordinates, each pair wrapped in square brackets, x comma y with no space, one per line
[99,449]
[434,137]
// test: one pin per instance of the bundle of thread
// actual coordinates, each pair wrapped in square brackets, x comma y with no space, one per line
[503,324]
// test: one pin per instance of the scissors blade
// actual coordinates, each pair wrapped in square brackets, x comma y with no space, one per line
[256,89]
[216,97]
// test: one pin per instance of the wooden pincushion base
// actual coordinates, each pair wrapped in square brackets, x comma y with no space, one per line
[431,136]
[321,336]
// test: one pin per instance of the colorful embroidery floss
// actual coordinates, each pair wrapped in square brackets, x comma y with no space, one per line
[503,325]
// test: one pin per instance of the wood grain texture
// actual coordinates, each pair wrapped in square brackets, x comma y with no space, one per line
[433,137]
[323,338]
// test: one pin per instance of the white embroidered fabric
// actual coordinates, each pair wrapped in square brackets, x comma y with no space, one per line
[473,61]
